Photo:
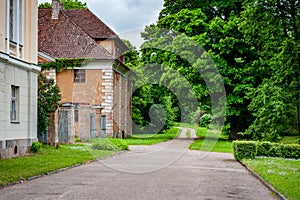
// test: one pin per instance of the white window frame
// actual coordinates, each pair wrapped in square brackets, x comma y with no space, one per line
[14,26]
[14,104]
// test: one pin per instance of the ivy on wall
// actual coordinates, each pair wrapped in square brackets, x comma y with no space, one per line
[63,63]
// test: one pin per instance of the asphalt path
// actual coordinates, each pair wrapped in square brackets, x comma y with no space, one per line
[162,171]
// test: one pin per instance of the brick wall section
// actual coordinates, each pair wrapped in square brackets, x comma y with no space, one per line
[122,106]
[128,107]
[128,102]
[116,105]
[107,99]
[53,129]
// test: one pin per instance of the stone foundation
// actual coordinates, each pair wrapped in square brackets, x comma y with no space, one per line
[15,148]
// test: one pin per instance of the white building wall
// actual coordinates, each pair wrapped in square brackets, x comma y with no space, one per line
[23,132]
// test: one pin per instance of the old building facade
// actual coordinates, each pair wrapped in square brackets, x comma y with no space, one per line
[18,76]
[100,88]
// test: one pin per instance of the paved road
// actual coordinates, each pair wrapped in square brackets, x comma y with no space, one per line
[164,171]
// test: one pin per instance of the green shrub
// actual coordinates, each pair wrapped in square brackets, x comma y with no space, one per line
[36,146]
[205,120]
[263,148]
[111,144]
[290,151]
[275,151]
[119,143]
[77,139]
[244,149]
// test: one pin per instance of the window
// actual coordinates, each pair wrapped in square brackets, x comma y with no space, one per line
[15,19]
[14,34]
[11,19]
[79,75]
[14,107]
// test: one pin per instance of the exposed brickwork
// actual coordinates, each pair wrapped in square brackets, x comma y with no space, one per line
[53,129]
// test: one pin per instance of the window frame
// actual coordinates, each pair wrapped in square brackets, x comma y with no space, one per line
[11,19]
[14,104]
[79,75]
[15,27]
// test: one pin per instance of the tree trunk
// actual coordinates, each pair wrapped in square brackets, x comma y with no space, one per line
[234,129]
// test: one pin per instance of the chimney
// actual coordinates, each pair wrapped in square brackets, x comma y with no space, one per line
[56,7]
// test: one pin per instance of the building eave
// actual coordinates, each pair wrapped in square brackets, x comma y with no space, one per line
[19,63]
[46,57]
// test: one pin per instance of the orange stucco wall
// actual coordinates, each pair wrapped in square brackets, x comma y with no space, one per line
[41,60]
[65,81]
[88,92]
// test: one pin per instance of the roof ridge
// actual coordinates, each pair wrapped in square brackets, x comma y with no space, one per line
[115,34]
[70,20]
[62,45]
[108,32]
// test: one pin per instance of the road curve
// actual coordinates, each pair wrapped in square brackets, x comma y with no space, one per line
[165,171]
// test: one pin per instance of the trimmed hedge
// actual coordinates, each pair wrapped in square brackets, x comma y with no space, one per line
[250,149]
[244,149]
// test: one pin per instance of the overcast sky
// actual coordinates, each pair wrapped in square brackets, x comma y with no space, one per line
[125,16]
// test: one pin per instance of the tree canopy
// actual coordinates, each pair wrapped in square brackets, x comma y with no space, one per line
[69,4]
[255,46]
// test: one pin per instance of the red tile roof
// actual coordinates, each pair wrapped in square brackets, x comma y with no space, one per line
[63,38]
[90,23]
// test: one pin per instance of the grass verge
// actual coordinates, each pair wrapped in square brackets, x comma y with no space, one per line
[282,174]
[149,139]
[290,140]
[47,160]
[207,141]
[138,139]
[186,125]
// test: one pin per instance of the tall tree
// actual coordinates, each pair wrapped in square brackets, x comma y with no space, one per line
[214,26]
[69,4]
[272,29]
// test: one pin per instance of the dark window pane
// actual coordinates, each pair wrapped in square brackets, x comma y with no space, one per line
[79,75]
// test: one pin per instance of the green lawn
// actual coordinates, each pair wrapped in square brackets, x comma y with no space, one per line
[212,145]
[283,174]
[186,125]
[144,139]
[209,141]
[290,140]
[47,160]
[51,159]
[149,139]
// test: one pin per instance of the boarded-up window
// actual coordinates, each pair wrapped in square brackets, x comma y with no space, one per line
[79,75]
